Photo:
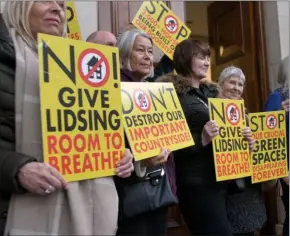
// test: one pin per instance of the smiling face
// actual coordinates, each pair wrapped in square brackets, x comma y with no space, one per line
[200,65]
[141,60]
[232,88]
[47,17]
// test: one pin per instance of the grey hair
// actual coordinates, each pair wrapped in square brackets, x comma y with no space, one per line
[283,73]
[16,15]
[229,72]
[125,42]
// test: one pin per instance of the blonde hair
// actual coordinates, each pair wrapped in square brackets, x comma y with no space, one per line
[16,15]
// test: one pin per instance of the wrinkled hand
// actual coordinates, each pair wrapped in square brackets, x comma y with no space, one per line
[210,130]
[157,160]
[285,105]
[247,133]
[40,178]
[125,166]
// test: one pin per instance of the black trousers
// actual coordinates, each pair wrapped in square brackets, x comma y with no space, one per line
[204,209]
[285,199]
[147,224]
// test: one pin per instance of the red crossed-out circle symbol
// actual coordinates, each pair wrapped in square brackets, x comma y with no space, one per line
[141,100]
[171,24]
[271,121]
[93,67]
[233,113]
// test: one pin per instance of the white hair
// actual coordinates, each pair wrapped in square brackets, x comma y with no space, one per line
[16,15]
[231,71]
[125,42]
[283,73]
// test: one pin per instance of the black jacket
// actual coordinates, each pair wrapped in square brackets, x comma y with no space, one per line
[195,164]
[10,161]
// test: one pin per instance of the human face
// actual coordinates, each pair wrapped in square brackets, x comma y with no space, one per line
[47,17]
[232,88]
[141,60]
[200,65]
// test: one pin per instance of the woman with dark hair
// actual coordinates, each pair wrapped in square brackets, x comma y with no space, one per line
[201,197]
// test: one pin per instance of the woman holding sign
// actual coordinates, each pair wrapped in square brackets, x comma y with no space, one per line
[42,203]
[142,213]
[202,199]
[245,205]
[279,99]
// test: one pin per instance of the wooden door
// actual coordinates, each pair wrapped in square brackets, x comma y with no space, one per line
[237,38]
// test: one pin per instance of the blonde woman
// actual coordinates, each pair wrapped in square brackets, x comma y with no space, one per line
[42,203]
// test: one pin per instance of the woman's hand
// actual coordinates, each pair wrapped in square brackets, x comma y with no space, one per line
[286,180]
[210,130]
[157,160]
[40,178]
[247,133]
[285,105]
[125,166]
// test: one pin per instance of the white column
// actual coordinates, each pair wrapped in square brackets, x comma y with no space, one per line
[87,13]
[283,19]
[1,6]
[276,16]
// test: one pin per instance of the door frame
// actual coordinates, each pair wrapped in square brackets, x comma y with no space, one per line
[261,51]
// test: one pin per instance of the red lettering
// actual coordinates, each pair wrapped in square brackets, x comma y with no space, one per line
[76,163]
[147,132]
[87,164]
[167,141]
[117,156]
[106,160]
[96,156]
[117,141]
[219,171]
[93,142]
[136,148]
[154,130]
[107,137]
[79,139]
[65,163]
[62,143]
[51,142]
[53,161]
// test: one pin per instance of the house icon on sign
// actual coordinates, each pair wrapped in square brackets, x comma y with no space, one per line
[97,75]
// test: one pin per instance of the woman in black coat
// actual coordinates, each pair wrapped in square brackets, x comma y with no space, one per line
[202,199]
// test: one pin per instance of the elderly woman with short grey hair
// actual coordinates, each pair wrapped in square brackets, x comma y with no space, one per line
[245,206]
[135,217]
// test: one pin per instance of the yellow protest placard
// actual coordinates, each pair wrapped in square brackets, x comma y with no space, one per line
[73,28]
[269,159]
[81,110]
[153,119]
[231,149]
[166,29]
